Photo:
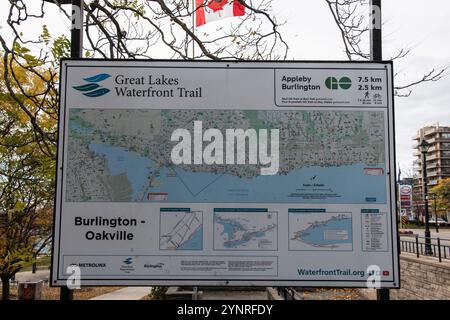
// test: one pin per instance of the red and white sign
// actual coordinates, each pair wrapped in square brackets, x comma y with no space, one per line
[405,195]
[212,10]
[405,190]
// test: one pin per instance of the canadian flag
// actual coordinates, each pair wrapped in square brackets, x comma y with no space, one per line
[211,10]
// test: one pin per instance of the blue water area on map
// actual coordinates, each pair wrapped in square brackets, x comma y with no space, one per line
[230,227]
[136,167]
[315,234]
[195,242]
[343,184]
[78,128]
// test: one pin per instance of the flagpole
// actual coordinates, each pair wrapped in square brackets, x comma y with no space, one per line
[193,27]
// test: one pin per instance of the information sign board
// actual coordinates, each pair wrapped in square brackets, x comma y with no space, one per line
[226,173]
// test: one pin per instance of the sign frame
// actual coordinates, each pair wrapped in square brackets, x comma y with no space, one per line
[57,280]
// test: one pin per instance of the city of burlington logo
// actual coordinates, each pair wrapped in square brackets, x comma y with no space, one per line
[92,88]
[334,84]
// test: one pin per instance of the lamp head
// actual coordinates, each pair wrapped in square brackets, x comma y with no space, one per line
[424,146]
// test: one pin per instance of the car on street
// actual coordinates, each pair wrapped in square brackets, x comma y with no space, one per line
[440,221]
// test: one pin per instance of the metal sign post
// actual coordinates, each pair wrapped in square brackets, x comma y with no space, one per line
[76,49]
[376,54]
[76,34]
[376,49]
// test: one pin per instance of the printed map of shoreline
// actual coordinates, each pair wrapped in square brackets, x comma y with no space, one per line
[244,230]
[320,231]
[123,155]
[181,230]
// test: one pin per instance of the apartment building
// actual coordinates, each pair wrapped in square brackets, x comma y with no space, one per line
[437,157]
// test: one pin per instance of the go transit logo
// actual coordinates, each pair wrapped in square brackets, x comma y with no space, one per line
[92,89]
[333,83]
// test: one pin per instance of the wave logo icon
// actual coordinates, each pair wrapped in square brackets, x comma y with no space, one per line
[92,89]
[128,260]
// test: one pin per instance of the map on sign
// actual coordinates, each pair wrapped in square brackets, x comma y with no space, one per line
[123,155]
[320,231]
[181,230]
[245,230]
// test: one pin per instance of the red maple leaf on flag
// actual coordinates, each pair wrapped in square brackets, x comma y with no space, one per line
[217,5]
[211,10]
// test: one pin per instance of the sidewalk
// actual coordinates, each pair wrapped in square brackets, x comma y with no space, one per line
[211,294]
[129,293]
[27,276]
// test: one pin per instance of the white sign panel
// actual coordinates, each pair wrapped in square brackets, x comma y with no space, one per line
[226,173]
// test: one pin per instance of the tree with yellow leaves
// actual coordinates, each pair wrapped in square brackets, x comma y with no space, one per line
[28,122]
[442,194]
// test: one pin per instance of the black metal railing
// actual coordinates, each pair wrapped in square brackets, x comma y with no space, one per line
[440,248]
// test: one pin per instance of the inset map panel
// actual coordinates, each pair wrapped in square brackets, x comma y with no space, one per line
[245,229]
[180,229]
[316,230]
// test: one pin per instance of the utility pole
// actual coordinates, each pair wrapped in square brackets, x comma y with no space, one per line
[376,54]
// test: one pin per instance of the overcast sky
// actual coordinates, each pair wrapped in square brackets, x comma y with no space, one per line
[422,26]
[425,28]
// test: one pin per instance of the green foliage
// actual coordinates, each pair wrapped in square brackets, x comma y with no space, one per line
[45,36]
[13,260]
[442,194]
[18,49]
[133,4]
[61,48]
[27,163]
[158,293]
[42,262]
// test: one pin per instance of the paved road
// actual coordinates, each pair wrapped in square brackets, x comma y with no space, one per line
[443,233]
[27,276]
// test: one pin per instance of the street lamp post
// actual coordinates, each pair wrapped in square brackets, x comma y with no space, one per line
[423,147]
[435,213]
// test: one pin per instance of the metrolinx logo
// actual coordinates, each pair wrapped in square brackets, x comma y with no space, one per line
[334,84]
[93,89]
